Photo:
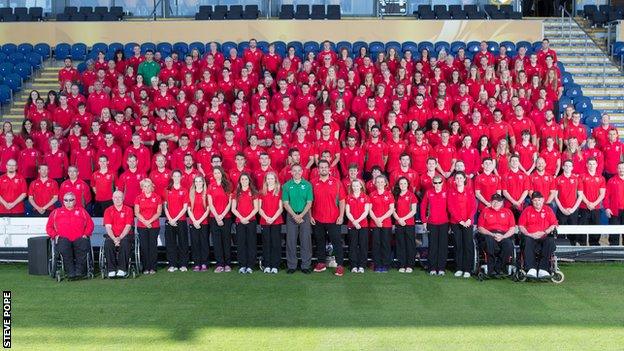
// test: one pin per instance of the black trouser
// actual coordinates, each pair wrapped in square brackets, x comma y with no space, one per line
[271,245]
[177,243]
[589,217]
[464,247]
[617,218]
[498,254]
[148,238]
[331,230]
[405,245]
[571,219]
[438,246]
[358,247]
[35,213]
[118,257]
[74,255]
[246,244]
[381,246]
[222,241]
[100,206]
[200,246]
[546,248]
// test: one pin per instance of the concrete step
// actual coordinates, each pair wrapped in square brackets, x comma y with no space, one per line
[608,104]
[595,58]
[556,32]
[591,69]
[594,80]
[577,49]
[574,40]
[609,92]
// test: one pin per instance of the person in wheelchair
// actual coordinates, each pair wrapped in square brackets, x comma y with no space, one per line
[70,227]
[496,228]
[537,224]
[119,238]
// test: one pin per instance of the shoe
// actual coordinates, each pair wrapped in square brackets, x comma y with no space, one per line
[196,268]
[459,274]
[290,271]
[152,272]
[401,270]
[441,273]
[183,269]
[219,269]
[111,274]
[409,270]
[361,270]
[273,270]
[306,271]
[543,274]
[432,273]
[466,274]
[267,270]
[248,270]
[203,268]
[227,269]
[171,269]
[320,267]
[339,271]
[121,273]
[242,270]
[532,273]
[354,270]
[145,272]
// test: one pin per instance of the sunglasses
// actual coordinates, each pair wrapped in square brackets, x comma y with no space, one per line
[437,183]
[69,200]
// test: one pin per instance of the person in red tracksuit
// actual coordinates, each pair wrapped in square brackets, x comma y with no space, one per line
[462,208]
[435,218]
[147,209]
[537,223]
[70,227]
[496,229]
[406,205]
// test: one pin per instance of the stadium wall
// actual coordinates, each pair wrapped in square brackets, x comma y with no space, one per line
[270,30]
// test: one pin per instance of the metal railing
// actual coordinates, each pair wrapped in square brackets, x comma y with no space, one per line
[564,12]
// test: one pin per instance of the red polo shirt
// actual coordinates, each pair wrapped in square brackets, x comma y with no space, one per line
[148,207]
[199,206]
[375,153]
[104,184]
[567,188]
[591,185]
[270,203]
[380,205]
[488,185]
[70,224]
[403,206]
[220,199]
[534,221]
[356,208]
[160,180]
[327,195]
[175,200]
[497,221]
[445,156]
[118,218]
[244,203]
[543,183]
[433,208]
[515,184]
[43,191]
[130,183]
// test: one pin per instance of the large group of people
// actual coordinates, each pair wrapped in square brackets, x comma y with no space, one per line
[314,141]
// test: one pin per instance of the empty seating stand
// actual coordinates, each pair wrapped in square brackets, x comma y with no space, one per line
[600,15]
[304,12]
[221,12]
[441,12]
[21,14]
[87,13]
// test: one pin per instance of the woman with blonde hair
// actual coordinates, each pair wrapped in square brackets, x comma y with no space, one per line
[147,210]
[198,217]
[270,208]
[245,208]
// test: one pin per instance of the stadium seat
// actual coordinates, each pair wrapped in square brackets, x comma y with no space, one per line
[263,45]
[147,46]
[287,12]
[456,45]
[164,48]
[117,12]
[302,12]
[9,48]
[181,48]
[5,94]
[6,15]
[204,13]
[226,47]
[346,45]
[35,60]
[199,46]
[22,15]
[23,69]
[42,49]
[589,11]
[393,44]
[242,46]
[473,46]
[25,48]
[115,46]
[425,12]
[251,12]
[509,45]
[16,58]
[6,68]
[311,46]
[357,45]
[81,67]
[458,14]
[235,12]
[409,45]
[93,17]
[566,78]
[333,12]
[97,47]
[582,104]
[13,81]
[375,46]
[219,13]
[442,45]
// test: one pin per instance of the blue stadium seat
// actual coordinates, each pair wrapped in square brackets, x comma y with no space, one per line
[456,45]
[242,46]
[425,45]
[16,58]
[618,49]
[5,94]
[97,47]
[14,81]
[263,45]
[566,78]
[129,49]
[582,104]
[564,102]
[393,44]
[357,45]
[81,67]
[25,48]
[79,52]
[35,60]
[43,49]
[409,46]
[62,51]
[492,46]
[525,44]
[473,47]
[561,66]
[197,45]
[164,48]
[6,68]
[375,46]
[297,45]
[536,46]
[115,46]
[345,44]
[24,70]
[442,45]
[311,46]
[181,48]
[280,47]
[572,90]
[593,119]
[3,56]
[226,47]
[147,46]
[9,48]
[509,45]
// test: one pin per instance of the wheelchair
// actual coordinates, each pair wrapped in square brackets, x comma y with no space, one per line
[556,275]
[56,269]
[134,261]
[482,259]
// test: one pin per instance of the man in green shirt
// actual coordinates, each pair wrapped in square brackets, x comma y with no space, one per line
[297,198]
[148,68]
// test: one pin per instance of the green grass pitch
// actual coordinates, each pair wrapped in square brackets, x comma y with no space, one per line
[207,311]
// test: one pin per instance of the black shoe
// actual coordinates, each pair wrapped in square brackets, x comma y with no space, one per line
[306,271]
[290,271]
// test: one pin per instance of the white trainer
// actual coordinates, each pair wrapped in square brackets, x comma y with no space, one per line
[408,270]
[249,270]
[361,270]
[459,274]
[183,269]
[441,273]
[121,273]
[466,274]
[401,270]
[354,270]
[273,270]
[267,270]
[432,273]
[172,269]
[241,270]
[111,274]
[532,273]
[543,274]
